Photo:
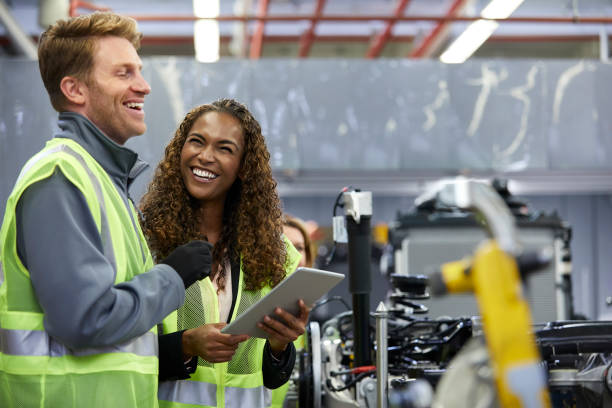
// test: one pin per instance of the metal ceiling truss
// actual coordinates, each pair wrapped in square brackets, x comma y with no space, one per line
[424,46]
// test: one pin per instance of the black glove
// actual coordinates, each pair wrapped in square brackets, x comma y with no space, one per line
[191,261]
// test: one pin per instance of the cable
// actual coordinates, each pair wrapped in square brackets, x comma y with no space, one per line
[351,383]
[337,204]
[331,299]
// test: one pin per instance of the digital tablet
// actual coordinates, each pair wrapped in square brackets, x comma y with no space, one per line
[305,283]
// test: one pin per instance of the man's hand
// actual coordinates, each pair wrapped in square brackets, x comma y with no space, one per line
[192,261]
[281,333]
[208,342]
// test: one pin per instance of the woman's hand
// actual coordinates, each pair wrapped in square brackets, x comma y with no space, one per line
[281,333]
[208,342]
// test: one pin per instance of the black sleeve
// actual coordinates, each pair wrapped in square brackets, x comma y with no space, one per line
[276,372]
[171,364]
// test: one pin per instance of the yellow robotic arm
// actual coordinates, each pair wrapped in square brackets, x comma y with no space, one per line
[493,276]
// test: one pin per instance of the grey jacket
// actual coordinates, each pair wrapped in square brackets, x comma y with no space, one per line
[59,244]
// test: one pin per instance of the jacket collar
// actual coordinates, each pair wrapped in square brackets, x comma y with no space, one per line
[121,163]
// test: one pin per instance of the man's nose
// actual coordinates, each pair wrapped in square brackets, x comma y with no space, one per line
[141,85]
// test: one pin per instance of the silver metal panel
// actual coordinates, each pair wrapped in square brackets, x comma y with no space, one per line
[429,248]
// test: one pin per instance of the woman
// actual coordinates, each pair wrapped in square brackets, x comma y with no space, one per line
[295,230]
[215,183]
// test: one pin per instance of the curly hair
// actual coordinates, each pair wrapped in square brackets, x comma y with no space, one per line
[252,216]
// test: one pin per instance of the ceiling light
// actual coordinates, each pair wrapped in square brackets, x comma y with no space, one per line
[206,35]
[206,8]
[479,31]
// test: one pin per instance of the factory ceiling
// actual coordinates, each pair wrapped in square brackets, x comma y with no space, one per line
[346,28]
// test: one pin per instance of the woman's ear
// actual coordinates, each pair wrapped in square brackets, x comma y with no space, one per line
[74,90]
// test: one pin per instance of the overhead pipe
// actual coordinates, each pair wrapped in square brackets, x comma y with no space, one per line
[308,36]
[361,18]
[380,41]
[257,40]
[77,4]
[434,38]
[19,38]
[188,40]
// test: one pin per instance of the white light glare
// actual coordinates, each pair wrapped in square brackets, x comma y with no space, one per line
[500,8]
[206,8]
[469,41]
[479,31]
[206,34]
[206,40]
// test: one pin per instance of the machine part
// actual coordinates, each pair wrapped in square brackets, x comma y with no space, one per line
[336,351]
[339,230]
[315,343]
[416,393]
[357,204]
[358,208]
[584,383]
[413,286]
[309,392]
[411,307]
[482,198]
[382,365]
[428,236]
[469,380]
[368,392]
[563,268]
[494,277]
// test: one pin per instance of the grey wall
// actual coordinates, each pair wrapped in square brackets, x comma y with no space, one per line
[345,120]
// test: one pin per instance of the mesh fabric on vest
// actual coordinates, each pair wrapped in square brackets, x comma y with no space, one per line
[243,361]
[191,314]
[117,389]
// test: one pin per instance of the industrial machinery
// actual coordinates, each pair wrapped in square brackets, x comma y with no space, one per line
[403,355]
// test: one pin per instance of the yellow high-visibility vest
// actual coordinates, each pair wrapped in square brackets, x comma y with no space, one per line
[35,369]
[234,384]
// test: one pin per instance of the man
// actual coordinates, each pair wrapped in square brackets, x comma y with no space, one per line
[79,295]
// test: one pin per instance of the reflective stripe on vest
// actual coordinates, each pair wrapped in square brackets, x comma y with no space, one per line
[39,343]
[236,397]
[104,229]
[22,333]
[232,387]
[189,392]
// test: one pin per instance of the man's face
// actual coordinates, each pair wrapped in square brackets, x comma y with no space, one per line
[116,90]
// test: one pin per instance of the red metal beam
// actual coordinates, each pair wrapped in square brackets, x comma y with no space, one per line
[72,9]
[382,38]
[361,18]
[77,4]
[153,40]
[308,37]
[435,36]
[257,40]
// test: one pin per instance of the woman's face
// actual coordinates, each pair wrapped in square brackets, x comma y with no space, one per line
[297,239]
[211,156]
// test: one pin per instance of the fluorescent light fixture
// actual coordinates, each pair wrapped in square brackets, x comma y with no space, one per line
[479,31]
[206,8]
[469,41]
[500,8]
[206,36]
